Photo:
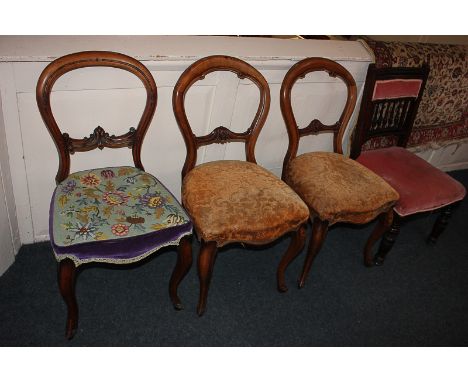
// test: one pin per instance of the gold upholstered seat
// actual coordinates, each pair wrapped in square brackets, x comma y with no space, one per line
[339,189]
[238,201]
[335,188]
[234,201]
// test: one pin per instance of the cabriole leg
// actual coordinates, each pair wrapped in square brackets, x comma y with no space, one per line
[295,247]
[206,260]
[66,279]
[384,222]
[319,232]
[184,262]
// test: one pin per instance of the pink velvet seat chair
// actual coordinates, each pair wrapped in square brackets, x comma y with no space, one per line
[390,102]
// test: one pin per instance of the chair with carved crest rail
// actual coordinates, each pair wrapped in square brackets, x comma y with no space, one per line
[389,106]
[336,189]
[234,200]
[114,215]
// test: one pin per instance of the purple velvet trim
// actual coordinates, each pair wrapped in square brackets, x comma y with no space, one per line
[120,249]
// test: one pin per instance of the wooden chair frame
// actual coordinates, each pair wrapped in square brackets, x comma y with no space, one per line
[221,134]
[300,70]
[367,128]
[67,146]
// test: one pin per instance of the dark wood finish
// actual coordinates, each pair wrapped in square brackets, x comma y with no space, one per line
[387,117]
[197,71]
[295,247]
[383,225]
[317,237]
[99,138]
[184,262]
[206,260]
[66,281]
[388,240]
[440,224]
[299,70]
[394,118]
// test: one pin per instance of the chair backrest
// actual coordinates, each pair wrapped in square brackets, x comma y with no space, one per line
[389,104]
[299,70]
[99,138]
[197,71]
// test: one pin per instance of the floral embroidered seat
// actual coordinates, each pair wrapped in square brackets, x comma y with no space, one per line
[103,207]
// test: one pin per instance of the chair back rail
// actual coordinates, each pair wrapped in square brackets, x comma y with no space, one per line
[197,71]
[299,70]
[390,114]
[99,138]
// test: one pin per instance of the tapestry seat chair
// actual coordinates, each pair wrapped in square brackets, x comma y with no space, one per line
[389,106]
[234,201]
[336,189]
[116,215]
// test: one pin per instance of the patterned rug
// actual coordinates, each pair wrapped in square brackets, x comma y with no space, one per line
[443,112]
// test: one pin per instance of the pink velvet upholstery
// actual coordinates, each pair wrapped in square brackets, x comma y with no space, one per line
[389,89]
[421,186]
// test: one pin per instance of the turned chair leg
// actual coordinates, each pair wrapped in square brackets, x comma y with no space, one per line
[317,237]
[66,280]
[184,262]
[384,222]
[295,247]
[388,240]
[440,224]
[206,260]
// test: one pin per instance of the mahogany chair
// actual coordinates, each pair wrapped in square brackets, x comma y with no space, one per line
[116,215]
[231,200]
[389,105]
[336,189]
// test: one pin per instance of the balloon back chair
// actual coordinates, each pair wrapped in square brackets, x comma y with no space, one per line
[231,200]
[335,188]
[389,106]
[114,215]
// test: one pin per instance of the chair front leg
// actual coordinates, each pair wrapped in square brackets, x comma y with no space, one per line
[440,224]
[184,262]
[66,281]
[206,260]
[317,237]
[384,222]
[388,240]
[295,247]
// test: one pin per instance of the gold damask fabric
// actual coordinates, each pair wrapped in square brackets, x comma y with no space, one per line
[237,201]
[338,189]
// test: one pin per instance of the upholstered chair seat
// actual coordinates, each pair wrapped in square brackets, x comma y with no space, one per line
[422,187]
[238,201]
[113,215]
[338,189]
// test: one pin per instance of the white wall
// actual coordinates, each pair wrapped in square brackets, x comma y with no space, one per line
[9,234]
[112,99]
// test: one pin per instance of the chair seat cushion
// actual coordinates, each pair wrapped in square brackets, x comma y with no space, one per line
[422,187]
[114,214]
[338,189]
[238,201]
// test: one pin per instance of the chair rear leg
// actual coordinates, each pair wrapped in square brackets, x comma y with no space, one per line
[384,222]
[388,240]
[295,247]
[66,280]
[206,260]
[184,262]
[317,237]
[440,224]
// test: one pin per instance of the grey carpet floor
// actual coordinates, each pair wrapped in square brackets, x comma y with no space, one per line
[418,298]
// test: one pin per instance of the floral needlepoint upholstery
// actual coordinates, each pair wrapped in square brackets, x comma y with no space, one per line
[127,212]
